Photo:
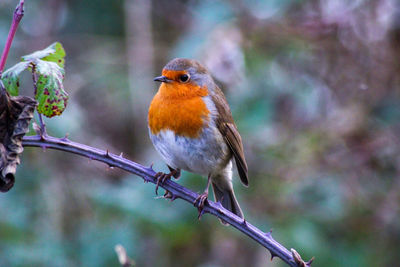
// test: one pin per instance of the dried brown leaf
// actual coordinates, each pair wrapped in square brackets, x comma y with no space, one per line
[15,115]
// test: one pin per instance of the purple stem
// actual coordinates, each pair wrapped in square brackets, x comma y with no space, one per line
[42,125]
[18,14]
[176,190]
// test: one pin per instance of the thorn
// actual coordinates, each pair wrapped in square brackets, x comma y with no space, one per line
[65,138]
[272,255]
[44,148]
[269,233]
[108,154]
[151,166]
[201,212]
[121,155]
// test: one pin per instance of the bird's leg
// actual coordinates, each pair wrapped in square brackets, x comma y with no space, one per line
[202,198]
[162,177]
[177,174]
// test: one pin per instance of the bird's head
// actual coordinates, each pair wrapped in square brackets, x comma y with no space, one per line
[185,77]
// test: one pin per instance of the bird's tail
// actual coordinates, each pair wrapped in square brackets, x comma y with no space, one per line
[223,192]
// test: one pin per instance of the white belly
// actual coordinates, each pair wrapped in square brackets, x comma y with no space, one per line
[204,155]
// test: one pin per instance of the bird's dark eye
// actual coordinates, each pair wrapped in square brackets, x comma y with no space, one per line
[184,78]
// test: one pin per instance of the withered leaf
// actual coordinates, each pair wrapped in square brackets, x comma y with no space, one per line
[15,115]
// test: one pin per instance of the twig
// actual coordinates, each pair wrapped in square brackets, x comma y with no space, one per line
[18,14]
[175,190]
[42,128]
[123,258]
[43,131]
[300,262]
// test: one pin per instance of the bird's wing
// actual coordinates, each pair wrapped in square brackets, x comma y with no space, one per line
[228,129]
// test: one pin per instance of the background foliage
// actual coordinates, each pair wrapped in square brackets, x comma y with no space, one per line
[314,89]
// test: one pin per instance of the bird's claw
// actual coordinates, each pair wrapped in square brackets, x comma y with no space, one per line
[169,195]
[201,200]
[161,178]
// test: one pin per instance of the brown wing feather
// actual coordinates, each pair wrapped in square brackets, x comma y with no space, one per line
[228,129]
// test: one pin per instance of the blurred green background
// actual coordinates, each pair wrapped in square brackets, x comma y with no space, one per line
[314,87]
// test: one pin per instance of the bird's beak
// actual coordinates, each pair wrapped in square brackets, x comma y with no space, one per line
[162,79]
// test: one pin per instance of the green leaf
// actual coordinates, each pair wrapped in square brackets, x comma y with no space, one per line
[10,77]
[54,53]
[50,90]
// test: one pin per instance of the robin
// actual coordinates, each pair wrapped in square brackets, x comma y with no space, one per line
[191,126]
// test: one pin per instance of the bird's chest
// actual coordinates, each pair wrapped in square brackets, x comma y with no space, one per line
[184,116]
[204,154]
[184,133]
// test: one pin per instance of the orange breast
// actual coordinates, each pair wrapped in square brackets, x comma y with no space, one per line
[180,108]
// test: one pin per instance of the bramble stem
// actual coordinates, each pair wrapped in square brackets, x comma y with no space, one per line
[42,125]
[176,191]
[18,14]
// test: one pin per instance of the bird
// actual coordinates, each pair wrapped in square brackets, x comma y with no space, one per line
[192,128]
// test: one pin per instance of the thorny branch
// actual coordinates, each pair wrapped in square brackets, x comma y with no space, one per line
[175,191]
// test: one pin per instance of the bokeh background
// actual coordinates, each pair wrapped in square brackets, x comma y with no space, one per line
[314,86]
